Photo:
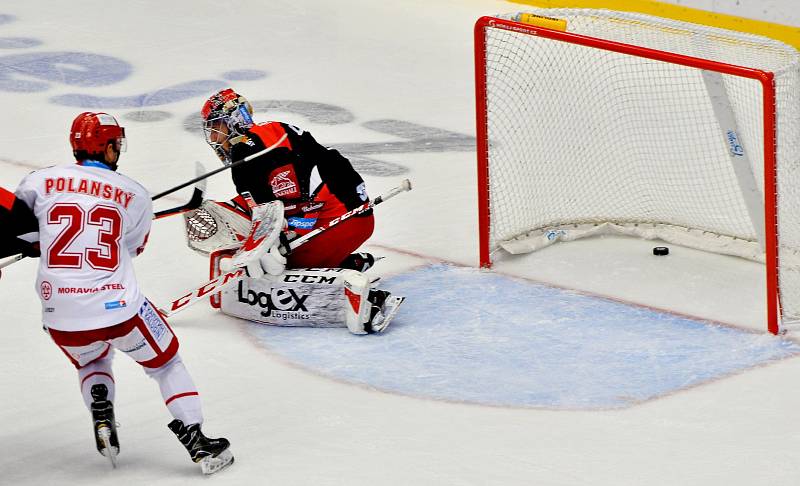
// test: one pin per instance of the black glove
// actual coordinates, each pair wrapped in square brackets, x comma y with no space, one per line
[13,246]
[30,250]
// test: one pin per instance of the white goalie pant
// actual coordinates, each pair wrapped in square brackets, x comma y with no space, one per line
[321,297]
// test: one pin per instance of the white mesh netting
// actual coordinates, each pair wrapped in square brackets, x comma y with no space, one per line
[587,140]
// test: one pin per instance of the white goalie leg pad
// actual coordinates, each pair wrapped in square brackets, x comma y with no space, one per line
[323,297]
[357,313]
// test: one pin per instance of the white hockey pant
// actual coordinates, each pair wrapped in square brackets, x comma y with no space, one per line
[147,338]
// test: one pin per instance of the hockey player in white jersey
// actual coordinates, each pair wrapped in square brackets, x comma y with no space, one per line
[92,222]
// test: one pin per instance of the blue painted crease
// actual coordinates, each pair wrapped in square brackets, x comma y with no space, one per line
[470,335]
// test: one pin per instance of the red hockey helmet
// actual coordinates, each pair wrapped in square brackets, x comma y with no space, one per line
[227,115]
[91,132]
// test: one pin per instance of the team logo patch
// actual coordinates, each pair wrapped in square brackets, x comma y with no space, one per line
[311,207]
[153,320]
[136,347]
[46,290]
[91,350]
[302,223]
[117,304]
[284,182]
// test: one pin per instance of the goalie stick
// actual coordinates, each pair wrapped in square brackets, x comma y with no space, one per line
[197,196]
[403,187]
[194,202]
[227,278]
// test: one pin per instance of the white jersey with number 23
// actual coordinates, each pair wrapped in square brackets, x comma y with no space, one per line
[92,222]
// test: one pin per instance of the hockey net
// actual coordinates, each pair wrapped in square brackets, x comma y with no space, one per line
[615,122]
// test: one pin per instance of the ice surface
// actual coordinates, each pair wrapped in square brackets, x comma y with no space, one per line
[371,78]
[467,335]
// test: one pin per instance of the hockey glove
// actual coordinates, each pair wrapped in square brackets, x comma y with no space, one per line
[254,269]
[272,261]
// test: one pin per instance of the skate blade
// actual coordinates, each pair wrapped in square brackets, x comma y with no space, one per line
[211,465]
[109,451]
[391,305]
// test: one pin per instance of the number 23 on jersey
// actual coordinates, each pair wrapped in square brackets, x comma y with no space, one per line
[68,250]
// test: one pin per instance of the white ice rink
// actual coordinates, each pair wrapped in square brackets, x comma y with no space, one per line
[391,85]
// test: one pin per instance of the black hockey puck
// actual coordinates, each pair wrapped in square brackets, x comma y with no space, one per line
[660,250]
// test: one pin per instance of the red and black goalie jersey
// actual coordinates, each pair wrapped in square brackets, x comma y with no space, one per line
[314,182]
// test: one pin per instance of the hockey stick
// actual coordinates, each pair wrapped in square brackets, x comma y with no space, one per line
[10,260]
[226,167]
[196,199]
[403,187]
[193,203]
[222,281]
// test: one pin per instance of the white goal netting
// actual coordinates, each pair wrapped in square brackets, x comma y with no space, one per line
[583,140]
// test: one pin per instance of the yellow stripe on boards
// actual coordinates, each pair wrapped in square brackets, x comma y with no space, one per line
[784,33]
[540,21]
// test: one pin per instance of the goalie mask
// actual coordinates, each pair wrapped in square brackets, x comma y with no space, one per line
[227,115]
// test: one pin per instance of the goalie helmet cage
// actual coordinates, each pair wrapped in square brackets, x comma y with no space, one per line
[630,124]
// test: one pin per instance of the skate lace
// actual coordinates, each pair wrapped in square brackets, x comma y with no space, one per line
[189,438]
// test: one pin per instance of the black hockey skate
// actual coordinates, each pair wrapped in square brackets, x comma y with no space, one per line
[105,428]
[212,454]
[384,308]
[360,262]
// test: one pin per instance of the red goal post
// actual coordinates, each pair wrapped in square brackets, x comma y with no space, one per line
[610,126]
